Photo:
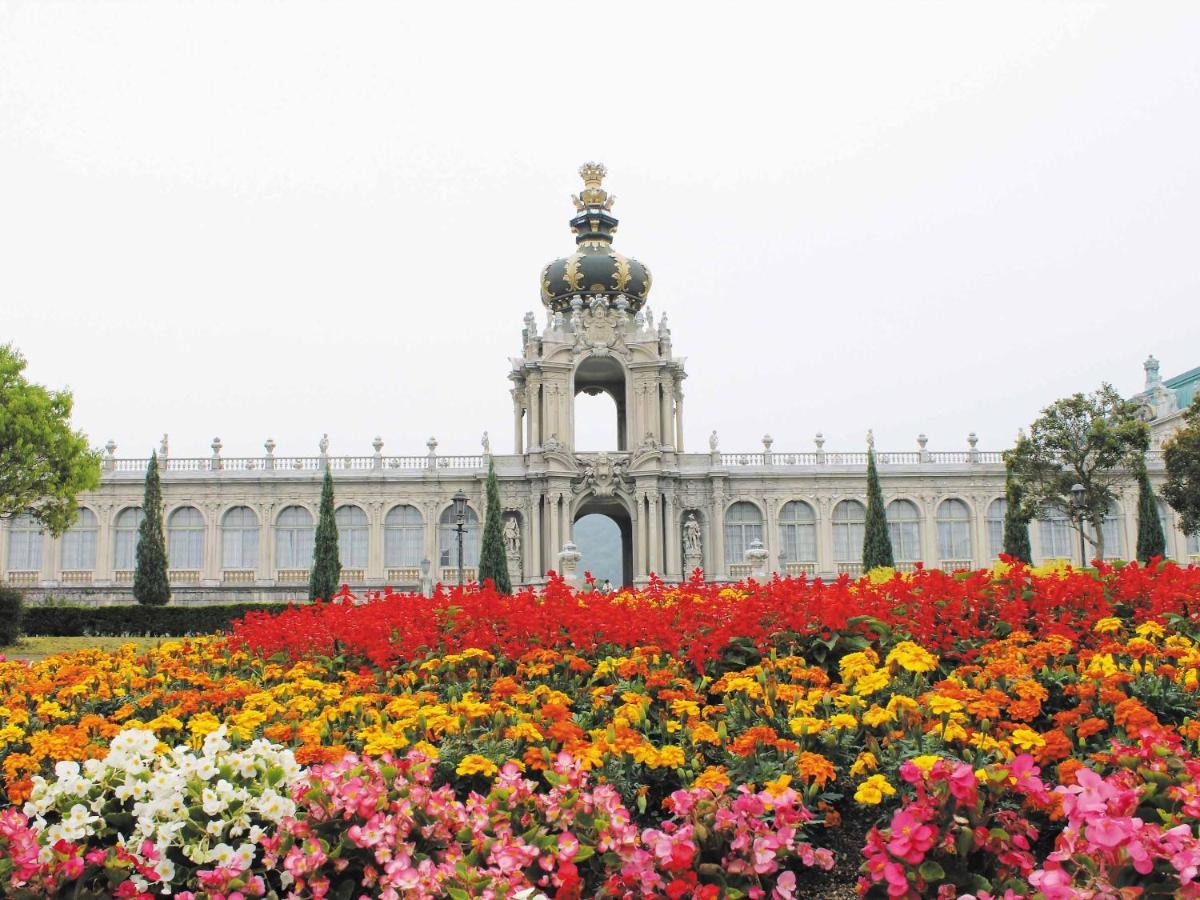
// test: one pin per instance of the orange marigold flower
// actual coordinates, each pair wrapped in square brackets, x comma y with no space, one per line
[1058,746]
[1066,771]
[1090,726]
[815,767]
[1133,717]
[748,741]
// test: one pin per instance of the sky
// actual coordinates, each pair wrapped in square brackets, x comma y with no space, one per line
[260,220]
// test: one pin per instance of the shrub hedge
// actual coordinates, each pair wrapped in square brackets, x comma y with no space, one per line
[12,610]
[136,620]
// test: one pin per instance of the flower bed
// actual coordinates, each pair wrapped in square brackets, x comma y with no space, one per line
[998,733]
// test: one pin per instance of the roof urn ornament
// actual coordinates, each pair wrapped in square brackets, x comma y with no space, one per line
[1152,376]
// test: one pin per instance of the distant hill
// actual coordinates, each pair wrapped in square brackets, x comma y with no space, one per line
[599,540]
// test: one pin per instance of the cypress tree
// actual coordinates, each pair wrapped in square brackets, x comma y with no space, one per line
[1151,541]
[1016,525]
[150,583]
[492,562]
[877,543]
[327,568]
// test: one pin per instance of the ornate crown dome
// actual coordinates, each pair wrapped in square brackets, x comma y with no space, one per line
[594,268]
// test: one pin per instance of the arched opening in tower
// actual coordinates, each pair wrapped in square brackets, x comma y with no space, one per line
[603,533]
[599,414]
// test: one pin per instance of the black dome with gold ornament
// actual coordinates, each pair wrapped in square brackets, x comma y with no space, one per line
[595,268]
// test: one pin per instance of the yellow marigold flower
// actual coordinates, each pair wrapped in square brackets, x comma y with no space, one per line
[954,732]
[876,716]
[872,791]
[897,702]
[523,731]
[704,734]
[854,665]
[1107,625]
[940,705]
[778,785]
[925,762]
[866,762]
[1149,629]
[1177,642]
[849,701]
[843,720]
[912,657]
[751,687]
[474,764]
[10,734]
[803,725]
[426,748]
[1101,666]
[1027,739]
[670,757]
[871,682]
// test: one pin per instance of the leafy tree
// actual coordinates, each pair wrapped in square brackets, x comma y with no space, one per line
[1182,456]
[327,567]
[877,543]
[1016,523]
[151,585]
[492,562]
[1151,541]
[1096,441]
[44,465]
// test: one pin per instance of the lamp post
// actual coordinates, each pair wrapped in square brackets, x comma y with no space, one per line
[1077,504]
[460,526]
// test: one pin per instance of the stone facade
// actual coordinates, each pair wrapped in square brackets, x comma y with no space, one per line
[236,526]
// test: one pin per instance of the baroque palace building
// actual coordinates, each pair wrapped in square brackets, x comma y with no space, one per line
[242,528]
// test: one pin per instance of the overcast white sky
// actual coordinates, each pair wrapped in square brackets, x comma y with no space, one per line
[270,219]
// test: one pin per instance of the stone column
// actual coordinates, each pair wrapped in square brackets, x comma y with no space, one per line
[375,540]
[266,546]
[534,394]
[664,410]
[639,544]
[1035,541]
[771,534]
[929,543]
[825,560]
[212,543]
[432,551]
[652,535]
[51,558]
[980,549]
[678,419]
[4,549]
[553,535]
[718,533]
[672,538]
[536,563]
[104,552]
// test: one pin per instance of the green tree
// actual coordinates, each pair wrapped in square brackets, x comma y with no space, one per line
[1151,541]
[492,562]
[1182,457]
[326,574]
[151,585]
[877,543]
[44,465]
[1096,441]
[1016,523]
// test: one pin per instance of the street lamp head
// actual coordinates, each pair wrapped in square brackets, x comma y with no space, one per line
[460,507]
[1077,492]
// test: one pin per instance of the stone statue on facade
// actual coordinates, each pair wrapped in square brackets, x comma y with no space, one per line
[693,551]
[713,441]
[512,538]
[163,448]
[486,443]
[323,444]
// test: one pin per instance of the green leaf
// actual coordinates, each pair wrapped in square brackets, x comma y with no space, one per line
[931,871]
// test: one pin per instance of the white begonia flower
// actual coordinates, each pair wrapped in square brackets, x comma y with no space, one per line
[245,856]
[221,854]
[66,769]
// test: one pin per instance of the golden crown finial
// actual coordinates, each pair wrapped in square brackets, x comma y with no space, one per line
[593,194]
[593,174]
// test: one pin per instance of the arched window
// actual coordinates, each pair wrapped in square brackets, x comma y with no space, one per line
[996,512]
[1193,543]
[1114,546]
[797,532]
[403,537]
[352,537]
[904,528]
[849,526]
[743,524]
[1057,537]
[185,539]
[954,530]
[294,539]
[125,538]
[24,544]
[448,538]
[239,539]
[79,543]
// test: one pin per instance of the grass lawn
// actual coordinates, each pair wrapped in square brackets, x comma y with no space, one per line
[40,647]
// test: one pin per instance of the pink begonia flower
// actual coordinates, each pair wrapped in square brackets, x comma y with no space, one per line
[785,886]
[964,786]
[1109,833]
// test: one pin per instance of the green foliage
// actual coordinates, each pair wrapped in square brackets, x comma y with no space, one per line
[492,562]
[327,567]
[137,620]
[150,583]
[1016,522]
[44,465]
[877,543]
[1151,541]
[1095,440]
[12,613]
[1182,456]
